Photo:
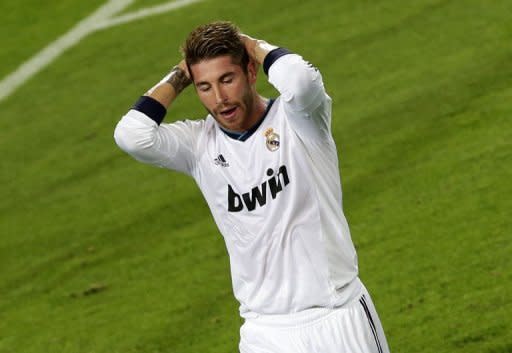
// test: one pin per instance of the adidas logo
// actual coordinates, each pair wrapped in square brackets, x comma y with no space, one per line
[220,160]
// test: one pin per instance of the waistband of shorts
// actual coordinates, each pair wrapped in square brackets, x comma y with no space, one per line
[354,291]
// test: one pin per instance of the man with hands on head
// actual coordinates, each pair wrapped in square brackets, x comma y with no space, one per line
[268,169]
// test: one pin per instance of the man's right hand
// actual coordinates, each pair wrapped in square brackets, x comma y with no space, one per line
[171,85]
[179,77]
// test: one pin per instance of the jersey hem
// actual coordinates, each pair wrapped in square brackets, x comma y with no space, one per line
[345,296]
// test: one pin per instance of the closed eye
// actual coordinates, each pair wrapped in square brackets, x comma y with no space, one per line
[203,87]
[227,78]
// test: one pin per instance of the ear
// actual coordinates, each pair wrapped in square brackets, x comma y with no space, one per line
[252,71]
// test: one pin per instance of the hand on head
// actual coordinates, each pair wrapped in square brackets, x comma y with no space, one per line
[183,65]
[256,48]
[250,46]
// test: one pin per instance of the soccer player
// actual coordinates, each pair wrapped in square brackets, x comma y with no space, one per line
[268,169]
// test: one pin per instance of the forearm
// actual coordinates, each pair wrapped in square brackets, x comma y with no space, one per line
[302,94]
[299,83]
[139,132]
[165,145]
[166,91]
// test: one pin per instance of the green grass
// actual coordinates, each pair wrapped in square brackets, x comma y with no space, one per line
[28,26]
[99,253]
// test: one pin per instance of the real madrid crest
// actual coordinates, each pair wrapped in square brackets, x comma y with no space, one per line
[272,139]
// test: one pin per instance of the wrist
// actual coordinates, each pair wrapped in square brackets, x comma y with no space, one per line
[261,49]
[169,87]
[178,79]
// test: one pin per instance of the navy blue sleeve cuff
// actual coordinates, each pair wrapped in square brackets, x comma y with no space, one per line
[151,107]
[272,56]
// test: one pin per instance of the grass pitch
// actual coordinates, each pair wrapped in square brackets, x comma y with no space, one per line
[99,253]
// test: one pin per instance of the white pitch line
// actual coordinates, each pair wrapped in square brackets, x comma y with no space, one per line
[100,19]
[42,59]
[150,11]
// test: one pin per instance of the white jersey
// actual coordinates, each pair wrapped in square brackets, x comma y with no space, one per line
[276,197]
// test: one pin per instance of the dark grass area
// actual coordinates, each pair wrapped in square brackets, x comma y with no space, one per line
[101,254]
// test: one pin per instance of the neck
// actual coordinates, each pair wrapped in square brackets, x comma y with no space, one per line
[259,107]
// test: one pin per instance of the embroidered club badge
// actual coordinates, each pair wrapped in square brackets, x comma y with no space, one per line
[272,139]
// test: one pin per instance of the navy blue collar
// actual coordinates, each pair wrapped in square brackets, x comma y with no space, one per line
[242,136]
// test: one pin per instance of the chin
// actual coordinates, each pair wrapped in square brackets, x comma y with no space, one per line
[233,127]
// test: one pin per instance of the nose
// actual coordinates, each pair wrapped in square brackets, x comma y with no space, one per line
[220,97]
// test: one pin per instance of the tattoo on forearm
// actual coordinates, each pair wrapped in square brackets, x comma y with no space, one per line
[178,79]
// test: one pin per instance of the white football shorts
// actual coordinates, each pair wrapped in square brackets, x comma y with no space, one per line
[352,328]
